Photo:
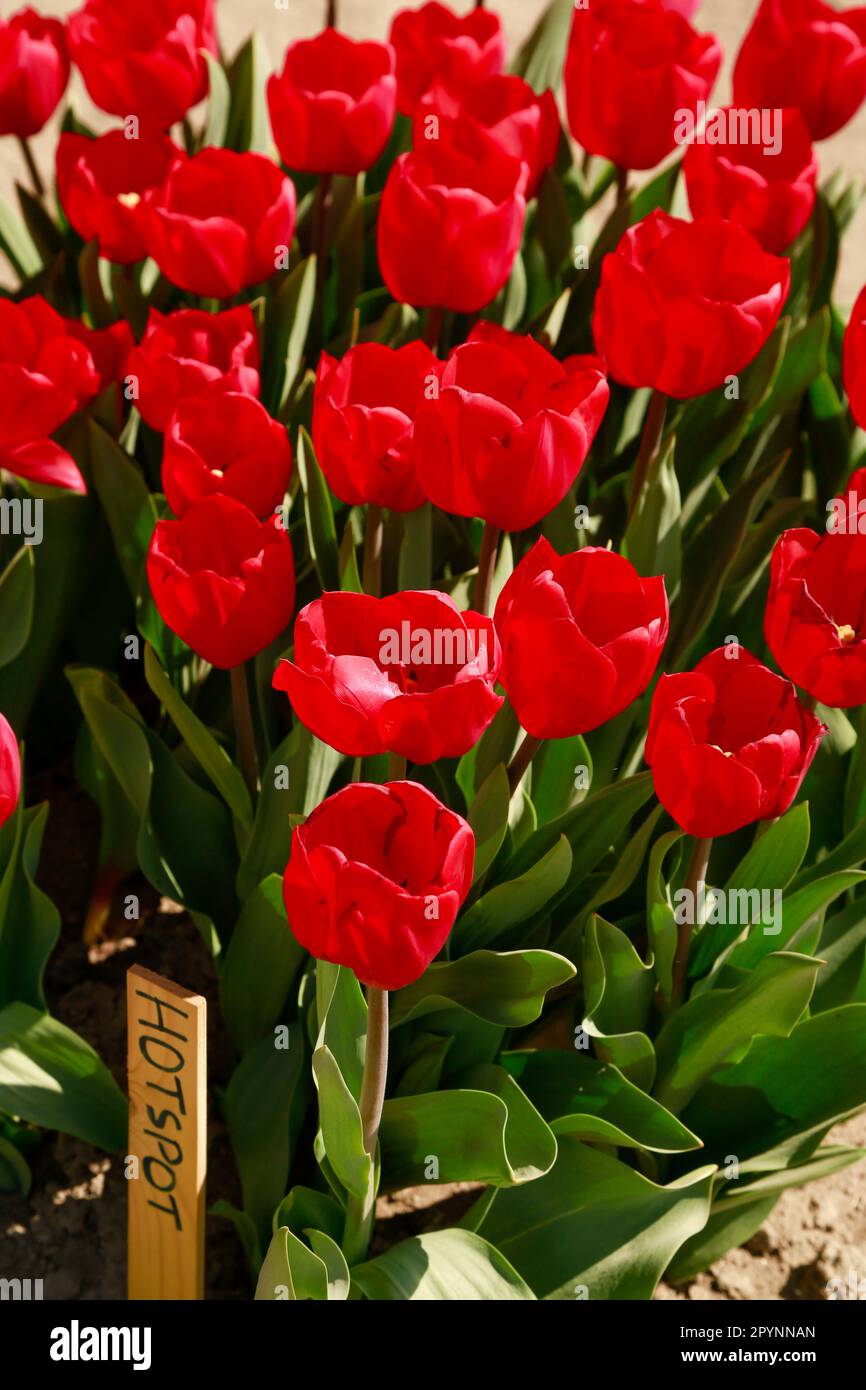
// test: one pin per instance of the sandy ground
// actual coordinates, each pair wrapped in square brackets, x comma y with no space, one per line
[728,19]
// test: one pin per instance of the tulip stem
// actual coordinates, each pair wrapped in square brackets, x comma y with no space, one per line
[622,193]
[433,326]
[519,764]
[361,1211]
[373,551]
[322,221]
[331,21]
[696,874]
[653,428]
[245,739]
[32,168]
[809,702]
[396,767]
[486,569]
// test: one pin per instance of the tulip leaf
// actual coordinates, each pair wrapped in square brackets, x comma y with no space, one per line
[843,951]
[591,828]
[661,922]
[561,776]
[486,1131]
[128,505]
[17,244]
[29,921]
[248,125]
[319,512]
[711,1028]
[653,539]
[218,103]
[488,816]
[287,323]
[292,1271]
[341,1130]
[593,1228]
[303,1208]
[261,963]
[17,602]
[540,60]
[505,987]
[729,1226]
[441,1265]
[592,1100]
[258,1104]
[210,755]
[804,359]
[416,549]
[510,903]
[51,1077]
[618,989]
[801,912]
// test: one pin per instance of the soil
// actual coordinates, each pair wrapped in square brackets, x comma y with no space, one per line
[71,1230]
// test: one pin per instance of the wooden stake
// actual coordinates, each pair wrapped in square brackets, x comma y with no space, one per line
[167,1074]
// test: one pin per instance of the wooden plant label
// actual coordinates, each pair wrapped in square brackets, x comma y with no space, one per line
[167,1156]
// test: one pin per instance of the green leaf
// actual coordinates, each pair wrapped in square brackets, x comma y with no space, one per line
[591,828]
[589,1099]
[218,103]
[287,323]
[261,964]
[319,512]
[843,955]
[449,1265]
[258,1104]
[594,1228]
[554,774]
[729,1226]
[712,1028]
[341,1128]
[17,244]
[415,562]
[17,601]
[29,921]
[488,816]
[799,911]
[618,989]
[210,755]
[127,502]
[653,537]
[540,60]
[49,1076]
[292,1271]
[511,903]
[661,922]
[505,987]
[804,359]
[487,1131]
[248,124]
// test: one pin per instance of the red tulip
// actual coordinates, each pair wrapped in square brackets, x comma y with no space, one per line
[216,225]
[510,429]
[223,581]
[101,182]
[363,422]
[433,43]
[451,220]
[34,71]
[109,349]
[225,443]
[581,638]
[854,360]
[729,743]
[524,124]
[10,771]
[804,53]
[332,107]
[408,674]
[144,60]
[684,305]
[814,620]
[47,372]
[770,193]
[376,878]
[632,67]
[188,352]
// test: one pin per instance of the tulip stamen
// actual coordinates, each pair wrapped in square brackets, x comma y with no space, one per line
[846,634]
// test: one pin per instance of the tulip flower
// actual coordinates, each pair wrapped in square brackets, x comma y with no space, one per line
[814,619]
[728,744]
[632,68]
[10,771]
[409,674]
[225,443]
[101,183]
[34,71]
[509,430]
[770,192]
[684,305]
[189,352]
[854,360]
[432,43]
[581,638]
[451,220]
[144,60]
[218,222]
[363,422]
[332,107]
[808,54]
[525,124]
[223,581]
[376,877]
[48,370]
